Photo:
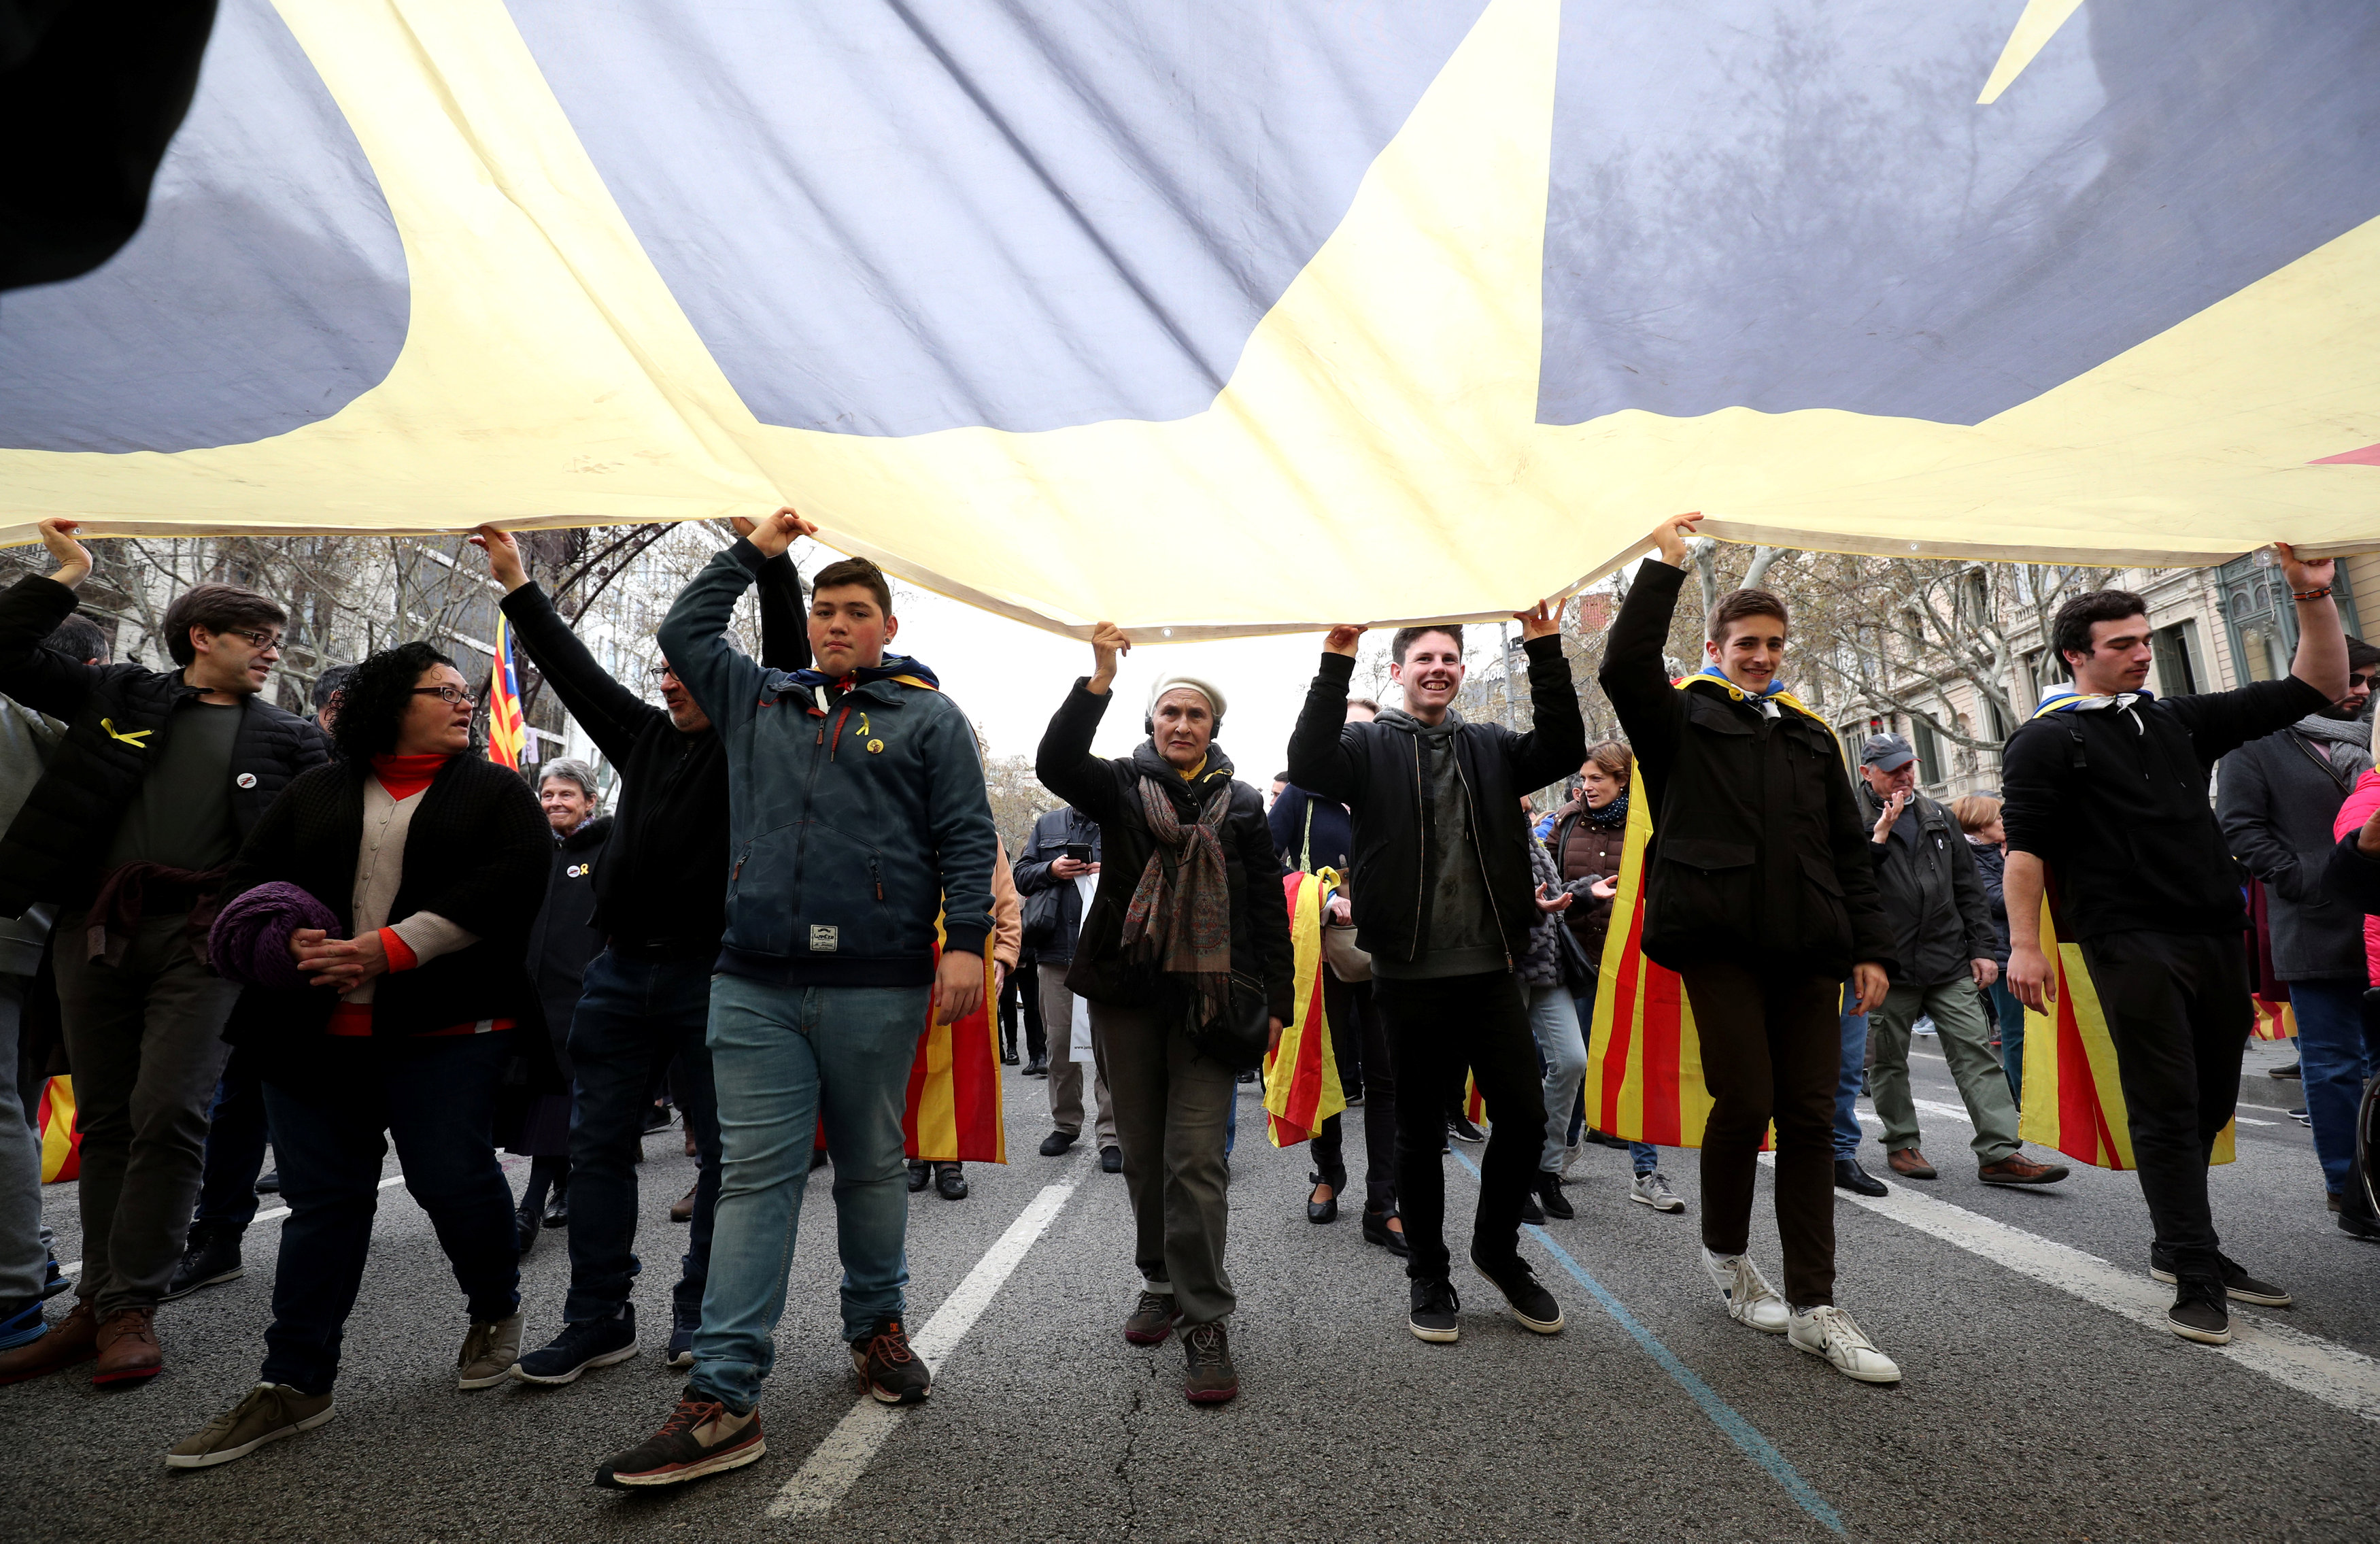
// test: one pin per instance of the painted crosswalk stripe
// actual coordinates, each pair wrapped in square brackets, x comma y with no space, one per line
[2340,1377]
[838,1461]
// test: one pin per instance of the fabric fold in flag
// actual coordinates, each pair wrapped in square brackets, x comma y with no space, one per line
[61,1136]
[953,1113]
[1301,1073]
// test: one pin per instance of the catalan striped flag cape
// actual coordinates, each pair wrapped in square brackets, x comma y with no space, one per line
[2275,1021]
[1644,1059]
[2073,1098]
[1301,1073]
[953,1112]
[61,1139]
[507,731]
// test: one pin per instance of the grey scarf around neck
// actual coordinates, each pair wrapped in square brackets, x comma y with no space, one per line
[2337,731]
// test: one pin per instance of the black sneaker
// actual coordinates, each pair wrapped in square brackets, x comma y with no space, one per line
[920,1173]
[1152,1319]
[590,1343]
[893,1373]
[269,1183]
[1437,1312]
[1057,1142]
[2237,1282]
[1549,1195]
[702,1437]
[212,1256]
[1111,1160]
[1462,1130]
[1532,1214]
[685,1319]
[2199,1313]
[1531,1304]
[1210,1379]
[949,1182]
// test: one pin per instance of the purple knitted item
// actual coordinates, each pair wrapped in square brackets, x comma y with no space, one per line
[249,943]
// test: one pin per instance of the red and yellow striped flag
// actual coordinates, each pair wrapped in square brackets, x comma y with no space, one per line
[1301,1073]
[61,1139]
[953,1112]
[2275,1021]
[507,731]
[2073,1099]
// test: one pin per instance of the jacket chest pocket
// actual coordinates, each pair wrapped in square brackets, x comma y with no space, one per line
[1719,735]
[1701,885]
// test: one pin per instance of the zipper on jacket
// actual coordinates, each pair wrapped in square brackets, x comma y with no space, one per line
[1421,869]
[1472,801]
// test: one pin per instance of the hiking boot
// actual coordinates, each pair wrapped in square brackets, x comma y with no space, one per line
[212,1255]
[1829,1333]
[2199,1312]
[268,1412]
[2017,1169]
[682,1209]
[590,1342]
[1908,1164]
[1058,1142]
[1436,1312]
[129,1352]
[1653,1191]
[1152,1319]
[949,1182]
[1530,1303]
[702,1437]
[2236,1283]
[71,1341]
[489,1353]
[1549,1195]
[1211,1379]
[1749,1297]
[921,1173]
[686,1321]
[894,1373]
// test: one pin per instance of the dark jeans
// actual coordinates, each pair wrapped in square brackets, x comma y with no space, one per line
[2335,1057]
[1772,1046]
[235,1156]
[1359,1043]
[1020,997]
[1436,1029]
[633,1016]
[2178,1012]
[437,1098]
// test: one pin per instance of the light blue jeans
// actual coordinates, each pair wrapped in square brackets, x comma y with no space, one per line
[2008,1011]
[1847,1121]
[781,1057]
[1553,1024]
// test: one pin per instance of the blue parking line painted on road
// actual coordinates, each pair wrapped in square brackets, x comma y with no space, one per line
[1741,1432]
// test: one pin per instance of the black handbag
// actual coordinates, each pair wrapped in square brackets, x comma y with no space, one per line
[1578,972]
[1240,1035]
[1045,913]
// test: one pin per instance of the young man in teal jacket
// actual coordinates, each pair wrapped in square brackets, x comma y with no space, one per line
[857,816]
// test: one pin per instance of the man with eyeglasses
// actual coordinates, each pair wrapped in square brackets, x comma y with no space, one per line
[160,777]
[660,902]
[2278,799]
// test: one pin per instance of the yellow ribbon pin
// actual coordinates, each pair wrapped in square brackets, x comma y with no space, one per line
[135,738]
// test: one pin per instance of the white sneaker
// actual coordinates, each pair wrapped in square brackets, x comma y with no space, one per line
[1829,1333]
[1653,1191]
[1749,1297]
[1570,1156]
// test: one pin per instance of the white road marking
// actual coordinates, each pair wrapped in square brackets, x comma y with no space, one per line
[2332,1373]
[838,1461]
[73,1267]
[1959,1113]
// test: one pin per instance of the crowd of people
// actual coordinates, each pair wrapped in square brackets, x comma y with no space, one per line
[330,934]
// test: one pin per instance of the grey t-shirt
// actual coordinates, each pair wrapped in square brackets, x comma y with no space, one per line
[1458,922]
[181,817]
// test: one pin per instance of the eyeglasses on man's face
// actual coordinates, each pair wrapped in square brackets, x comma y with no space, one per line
[662,674]
[263,643]
[453,696]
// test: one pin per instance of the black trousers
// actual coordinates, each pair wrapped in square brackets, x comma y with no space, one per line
[1359,1041]
[1021,996]
[2177,1011]
[1436,1029]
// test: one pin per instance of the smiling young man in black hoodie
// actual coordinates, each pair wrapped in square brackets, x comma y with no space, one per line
[1445,909]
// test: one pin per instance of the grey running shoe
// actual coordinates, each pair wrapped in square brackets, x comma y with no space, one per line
[1653,1191]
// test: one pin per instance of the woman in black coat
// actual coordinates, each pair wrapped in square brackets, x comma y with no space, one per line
[561,942]
[380,917]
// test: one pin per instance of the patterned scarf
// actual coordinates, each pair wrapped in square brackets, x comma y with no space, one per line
[1180,919]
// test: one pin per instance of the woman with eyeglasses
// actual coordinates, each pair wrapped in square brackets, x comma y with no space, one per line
[379,923]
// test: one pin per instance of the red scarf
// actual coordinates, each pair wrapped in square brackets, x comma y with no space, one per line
[405,776]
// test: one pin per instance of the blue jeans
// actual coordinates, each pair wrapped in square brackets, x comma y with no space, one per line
[2009,1013]
[633,1016]
[235,1136]
[2334,1058]
[783,1056]
[437,1097]
[1553,1024]
[1847,1121]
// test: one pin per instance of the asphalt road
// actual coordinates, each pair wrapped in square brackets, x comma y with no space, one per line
[2029,1409]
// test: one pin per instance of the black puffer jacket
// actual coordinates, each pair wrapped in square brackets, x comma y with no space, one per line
[1375,771]
[565,939]
[1757,854]
[1925,877]
[1109,791]
[475,853]
[117,717]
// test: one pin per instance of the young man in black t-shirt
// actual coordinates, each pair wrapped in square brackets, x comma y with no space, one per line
[2106,802]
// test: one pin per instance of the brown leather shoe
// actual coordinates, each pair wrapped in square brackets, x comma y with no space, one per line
[682,1209]
[129,1352]
[1910,1164]
[2017,1169]
[70,1340]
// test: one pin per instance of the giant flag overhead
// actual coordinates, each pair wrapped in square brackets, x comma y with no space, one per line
[1419,308]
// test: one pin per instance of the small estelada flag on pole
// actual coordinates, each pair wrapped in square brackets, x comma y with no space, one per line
[1301,1074]
[507,734]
